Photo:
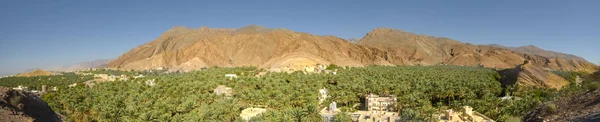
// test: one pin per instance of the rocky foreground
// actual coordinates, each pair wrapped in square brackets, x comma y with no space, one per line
[18,106]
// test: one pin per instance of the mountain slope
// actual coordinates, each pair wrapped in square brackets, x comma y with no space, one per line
[36,72]
[282,49]
[527,75]
[248,46]
[533,50]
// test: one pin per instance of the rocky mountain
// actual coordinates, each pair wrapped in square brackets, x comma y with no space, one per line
[275,49]
[84,65]
[353,40]
[36,72]
[405,48]
[283,50]
[527,75]
[533,50]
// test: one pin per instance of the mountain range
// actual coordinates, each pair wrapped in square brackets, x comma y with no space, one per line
[83,65]
[281,49]
[533,50]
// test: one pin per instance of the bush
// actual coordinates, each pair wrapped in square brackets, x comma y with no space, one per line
[513,119]
[332,67]
[593,86]
[550,108]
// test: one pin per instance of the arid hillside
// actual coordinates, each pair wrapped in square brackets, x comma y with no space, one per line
[36,72]
[405,48]
[277,49]
[533,50]
[527,75]
[281,49]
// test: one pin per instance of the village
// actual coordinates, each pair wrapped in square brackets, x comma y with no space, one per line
[376,108]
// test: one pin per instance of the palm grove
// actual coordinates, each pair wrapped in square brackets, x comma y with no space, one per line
[422,91]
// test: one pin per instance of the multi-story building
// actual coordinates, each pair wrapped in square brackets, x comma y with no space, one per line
[377,103]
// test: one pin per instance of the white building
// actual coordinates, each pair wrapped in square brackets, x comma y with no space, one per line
[251,112]
[329,113]
[231,76]
[138,76]
[467,116]
[20,88]
[73,85]
[223,90]
[376,103]
[322,95]
[151,82]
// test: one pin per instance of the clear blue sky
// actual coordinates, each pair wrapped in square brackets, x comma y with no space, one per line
[48,33]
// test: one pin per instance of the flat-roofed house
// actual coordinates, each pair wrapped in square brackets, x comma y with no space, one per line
[251,112]
[20,88]
[231,76]
[223,90]
[330,112]
[377,103]
[468,115]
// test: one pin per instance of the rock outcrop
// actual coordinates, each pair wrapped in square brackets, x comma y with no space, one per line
[528,75]
[580,107]
[19,106]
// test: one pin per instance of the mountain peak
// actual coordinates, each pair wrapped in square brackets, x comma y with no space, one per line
[250,29]
[530,47]
[179,28]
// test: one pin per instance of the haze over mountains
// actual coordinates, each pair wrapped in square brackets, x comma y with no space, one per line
[83,65]
[281,49]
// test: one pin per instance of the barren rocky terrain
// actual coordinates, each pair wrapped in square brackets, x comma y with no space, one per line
[187,49]
[582,107]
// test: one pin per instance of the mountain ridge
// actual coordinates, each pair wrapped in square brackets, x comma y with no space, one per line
[532,49]
[281,49]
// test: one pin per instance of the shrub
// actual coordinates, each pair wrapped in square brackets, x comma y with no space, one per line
[513,119]
[593,86]
[332,67]
[550,108]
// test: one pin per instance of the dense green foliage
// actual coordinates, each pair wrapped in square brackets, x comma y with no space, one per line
[36,82]
[421,92]
[570,75]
